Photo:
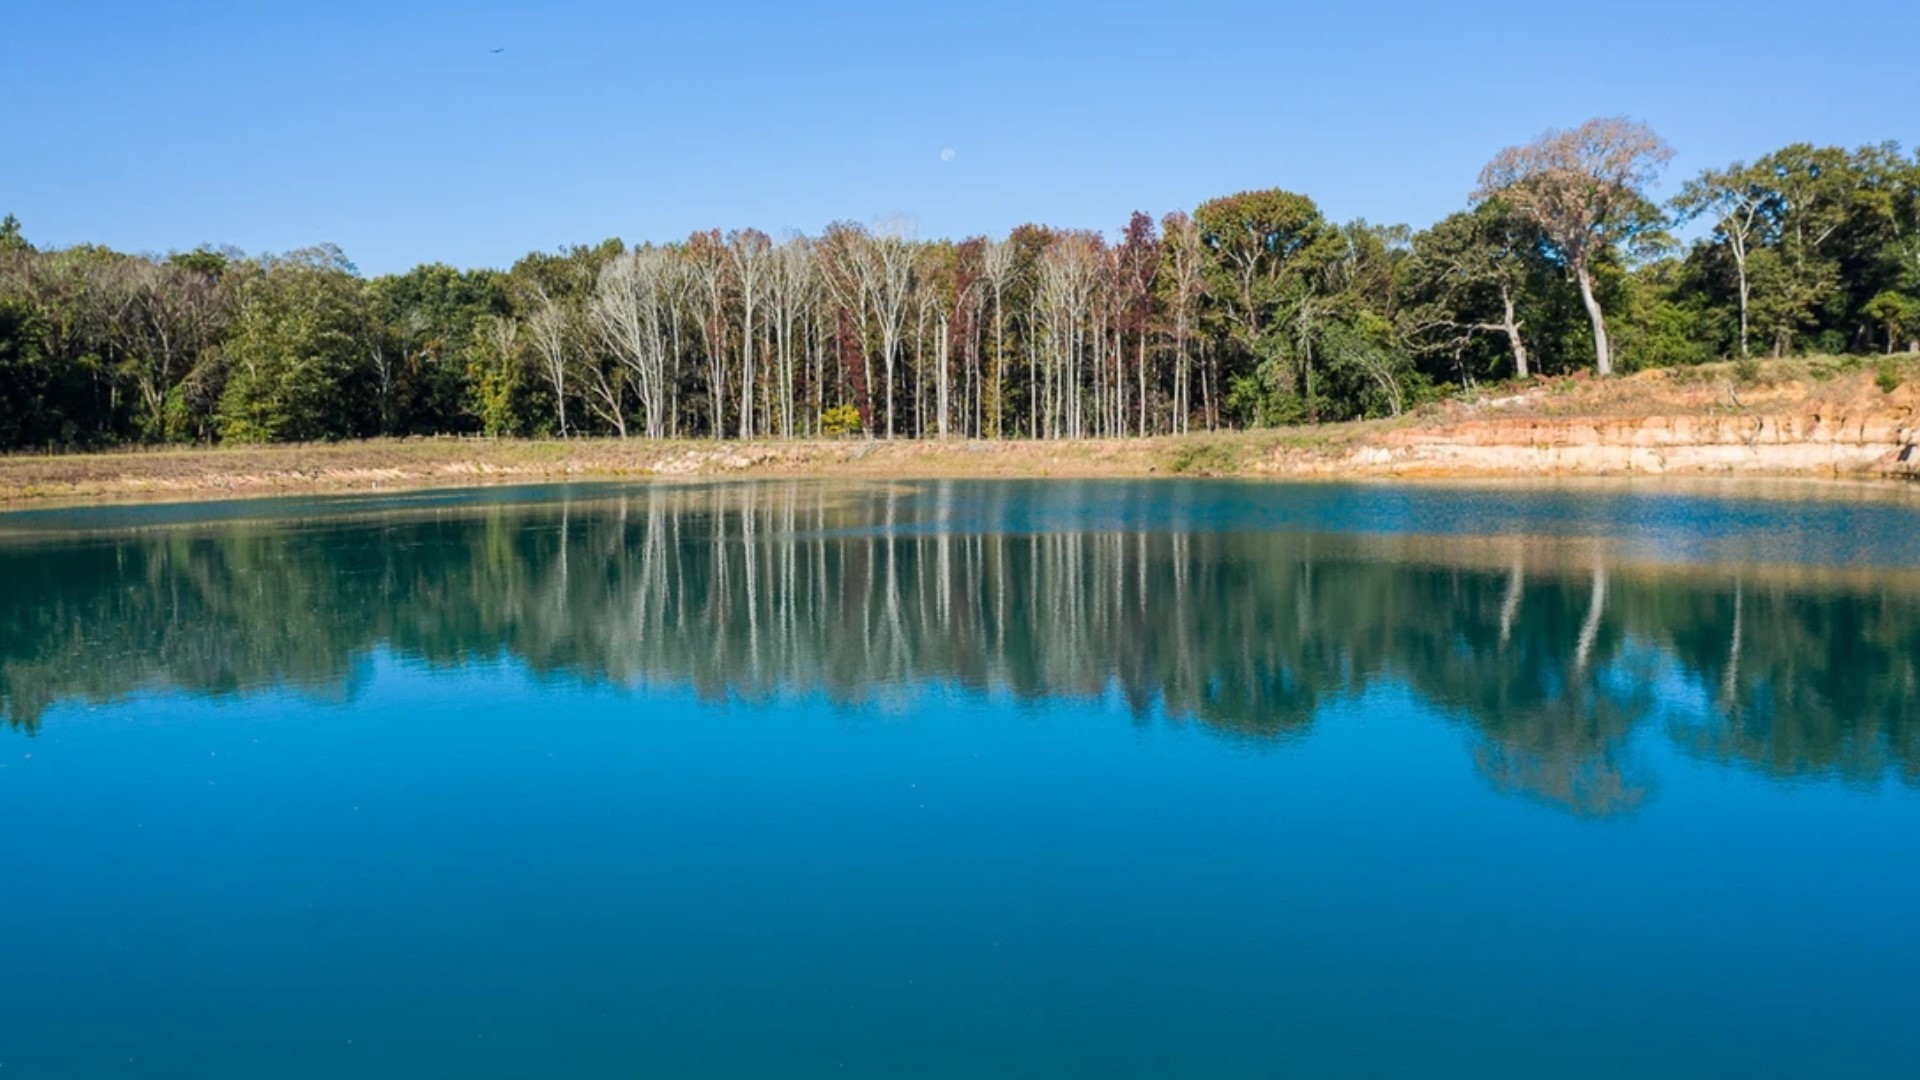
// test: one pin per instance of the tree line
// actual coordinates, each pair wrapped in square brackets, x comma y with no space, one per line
[1253,309]
[1546,662]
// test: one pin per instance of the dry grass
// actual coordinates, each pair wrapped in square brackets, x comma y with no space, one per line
[1781,386]
[400,464]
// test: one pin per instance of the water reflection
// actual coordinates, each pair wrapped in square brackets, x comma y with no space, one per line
[1554,655]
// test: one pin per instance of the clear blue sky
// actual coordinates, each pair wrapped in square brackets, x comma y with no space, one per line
[390,129]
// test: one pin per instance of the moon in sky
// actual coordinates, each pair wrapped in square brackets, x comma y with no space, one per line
[948,154]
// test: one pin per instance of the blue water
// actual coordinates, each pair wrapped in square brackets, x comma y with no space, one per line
[962,780]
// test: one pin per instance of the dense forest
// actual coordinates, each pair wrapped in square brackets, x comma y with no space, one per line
[1550,659]
[1253,309]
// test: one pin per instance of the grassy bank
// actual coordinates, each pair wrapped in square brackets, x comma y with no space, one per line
[401,464]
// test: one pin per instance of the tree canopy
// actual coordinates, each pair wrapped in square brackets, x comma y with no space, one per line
[1252,309]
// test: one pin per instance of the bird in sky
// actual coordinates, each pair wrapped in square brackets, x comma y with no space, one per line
[498,51]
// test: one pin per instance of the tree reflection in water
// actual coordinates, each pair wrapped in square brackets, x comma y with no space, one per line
[1550,654]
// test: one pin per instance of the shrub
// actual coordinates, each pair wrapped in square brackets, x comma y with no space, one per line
[1888,377]
[840,420]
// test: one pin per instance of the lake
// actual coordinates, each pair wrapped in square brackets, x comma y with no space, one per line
[963,779]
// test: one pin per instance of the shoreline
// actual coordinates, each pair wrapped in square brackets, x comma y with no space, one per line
[1337,453]
[1812,427]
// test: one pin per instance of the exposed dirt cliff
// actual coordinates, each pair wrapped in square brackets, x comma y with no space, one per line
[1661,422]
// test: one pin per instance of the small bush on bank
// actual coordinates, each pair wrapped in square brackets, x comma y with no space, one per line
[1888,376]
[840,421]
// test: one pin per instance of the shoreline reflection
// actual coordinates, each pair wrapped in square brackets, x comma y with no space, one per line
[1552,654]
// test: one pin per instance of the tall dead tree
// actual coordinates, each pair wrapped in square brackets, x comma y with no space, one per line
[1184,282]
[791,288]
[750,254]
[889,254]
[997,263]
[629,311]
[706,262]
[547,326]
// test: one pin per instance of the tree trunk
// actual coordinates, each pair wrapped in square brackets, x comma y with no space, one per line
[1746,291]
[1313,407]
[1512,327]
[1602,352]
[999,368]
[1208,406]
[940,371]
[746,367]
[887,360]
[1033,387]
[1177,390]
[866,371]
[1141,361]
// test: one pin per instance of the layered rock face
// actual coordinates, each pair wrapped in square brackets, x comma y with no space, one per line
[1873,445]
[1848,428]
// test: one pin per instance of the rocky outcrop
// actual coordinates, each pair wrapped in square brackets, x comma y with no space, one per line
[1865,442]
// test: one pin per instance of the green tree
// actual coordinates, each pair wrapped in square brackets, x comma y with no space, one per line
[1663,321]
[499,391]
[1472,279]
[77,315]
[419,343]
[295,355]
[1812,205]
[1741,205]
[23,375]
[1267,251]
[1899,315]
[1366,368]
[11,241]
[1265,246]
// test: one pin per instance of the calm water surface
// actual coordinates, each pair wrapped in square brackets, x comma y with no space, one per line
[962,779]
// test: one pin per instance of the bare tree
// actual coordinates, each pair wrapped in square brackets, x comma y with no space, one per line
[889,257]
[750,253]
[547,325]
[606,386]
[1737,203]
[1185,283]
[707,265]
[1001,271]
[630,313]
[967,303]
[1070,281]
[791,288]
[931,306]
[677,287]
[1137,268]
[174,313]
[1584,188]
[852,278]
